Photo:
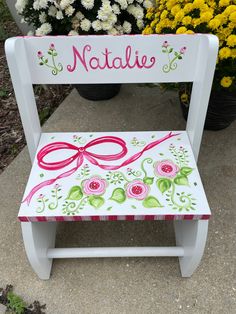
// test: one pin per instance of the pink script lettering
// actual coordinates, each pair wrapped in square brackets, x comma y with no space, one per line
[131,59]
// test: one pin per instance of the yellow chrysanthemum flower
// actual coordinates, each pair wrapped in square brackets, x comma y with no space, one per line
[184,97]
[164,14]
[188,8]
[170,4]
[181,30]
[224,53]
[206,16]
[175,9]
[230,9]
[224,3]
[231,41]
[226,81]
[198,3]
[147,31]
[233,53]
[187,20]
[189,32]
[232,17]
[214,23]
[179,16]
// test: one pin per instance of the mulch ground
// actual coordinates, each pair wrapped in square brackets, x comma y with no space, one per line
[48,98]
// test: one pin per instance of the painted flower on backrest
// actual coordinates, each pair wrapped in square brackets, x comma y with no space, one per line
[166,168]
[94,186]
[137,189]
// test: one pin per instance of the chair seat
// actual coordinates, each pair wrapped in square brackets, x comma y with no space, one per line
[114,176]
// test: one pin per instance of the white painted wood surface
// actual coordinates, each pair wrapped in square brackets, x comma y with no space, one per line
[79,59]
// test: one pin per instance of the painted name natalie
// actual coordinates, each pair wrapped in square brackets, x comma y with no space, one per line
[131,59]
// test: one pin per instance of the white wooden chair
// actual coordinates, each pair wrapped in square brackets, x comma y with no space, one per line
[113,176]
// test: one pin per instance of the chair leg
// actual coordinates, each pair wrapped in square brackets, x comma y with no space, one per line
[191,235]
[38,237]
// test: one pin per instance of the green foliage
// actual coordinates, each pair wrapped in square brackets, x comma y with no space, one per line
[75,193]
[118,195]
[164,184]
[15,303]
[151,202]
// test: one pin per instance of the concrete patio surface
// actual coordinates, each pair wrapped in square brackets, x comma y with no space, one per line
[128,285]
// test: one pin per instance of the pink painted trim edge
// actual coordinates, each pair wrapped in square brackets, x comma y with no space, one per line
[112,218]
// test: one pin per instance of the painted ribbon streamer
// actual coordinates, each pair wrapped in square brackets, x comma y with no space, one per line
[82,153]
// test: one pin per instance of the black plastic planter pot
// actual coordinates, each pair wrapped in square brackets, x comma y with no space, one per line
[98,92]
[221,110]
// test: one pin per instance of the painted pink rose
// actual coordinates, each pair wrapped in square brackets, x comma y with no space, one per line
[137,189]
[40,54]
[166,168]
[182,50]
[52,46]
[94,186]
[165,44]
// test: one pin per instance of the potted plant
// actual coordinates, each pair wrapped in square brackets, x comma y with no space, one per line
[85,17]
[204,16]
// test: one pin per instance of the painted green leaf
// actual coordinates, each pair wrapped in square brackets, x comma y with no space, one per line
[118,195]
[96,201]
[40,63]
[186,171]
[171,49]
[163,184]
[148,180]
[75,193]
[151,202]
[181,180]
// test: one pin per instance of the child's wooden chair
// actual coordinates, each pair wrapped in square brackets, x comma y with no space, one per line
[113,176]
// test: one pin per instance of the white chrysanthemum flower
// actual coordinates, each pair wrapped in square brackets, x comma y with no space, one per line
[69,10]
[79,15]
[131,1]
[97,25]
[40,4]
[104,11]
[106,26]
[73,33]
[52,11]
[30,33]
[42,17]
[85,25]
[140,24]
[147,4]
[59,15]
[44,29]
[115,9]
[123,4]
[112,18]
[23,21]
[136,11]
[87,4]
[65,3]
[139,1]
[113,31]
[20,5]
[127,27]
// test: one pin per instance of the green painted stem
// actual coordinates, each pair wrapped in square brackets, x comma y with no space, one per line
[149,161]
[182,198]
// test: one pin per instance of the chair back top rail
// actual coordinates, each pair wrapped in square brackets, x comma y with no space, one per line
[113,59]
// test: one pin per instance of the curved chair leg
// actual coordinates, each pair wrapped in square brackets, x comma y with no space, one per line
[191,235]
[38,237]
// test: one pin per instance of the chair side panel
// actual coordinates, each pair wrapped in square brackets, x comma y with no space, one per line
[112,59]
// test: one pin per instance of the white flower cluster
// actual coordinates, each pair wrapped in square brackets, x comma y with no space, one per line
[85,15]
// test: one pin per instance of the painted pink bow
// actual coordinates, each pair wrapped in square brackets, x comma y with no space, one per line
[82,153]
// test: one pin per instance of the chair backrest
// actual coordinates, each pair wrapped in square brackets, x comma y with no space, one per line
[112,59]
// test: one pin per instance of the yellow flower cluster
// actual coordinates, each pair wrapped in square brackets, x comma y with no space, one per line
[199,16]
